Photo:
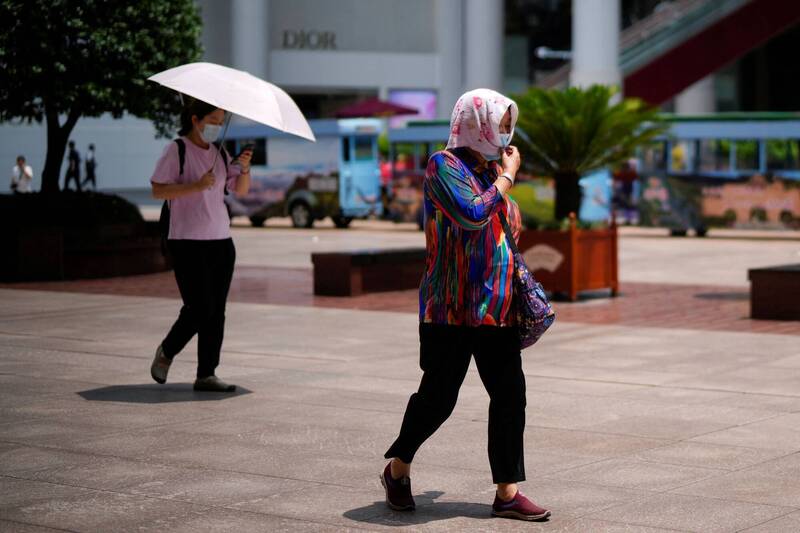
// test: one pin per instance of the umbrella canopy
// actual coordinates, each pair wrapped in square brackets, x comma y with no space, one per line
[239,93]
[374,108]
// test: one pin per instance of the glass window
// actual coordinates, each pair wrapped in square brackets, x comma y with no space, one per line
[746,155]
[653,156]
[683,155]
[783,154]
[424,155]
[345,149]
[715,155]
[364,148]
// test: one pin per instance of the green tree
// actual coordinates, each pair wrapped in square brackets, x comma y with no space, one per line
[61,60]
[569,133]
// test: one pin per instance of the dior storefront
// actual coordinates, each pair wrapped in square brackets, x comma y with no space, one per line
[328,52]
[325,53]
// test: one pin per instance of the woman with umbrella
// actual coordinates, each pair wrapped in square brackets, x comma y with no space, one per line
[193,177]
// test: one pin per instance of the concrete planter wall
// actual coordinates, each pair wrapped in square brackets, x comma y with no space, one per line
[54,253]
[573,261]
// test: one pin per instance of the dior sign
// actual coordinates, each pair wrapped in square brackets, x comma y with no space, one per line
[309,40]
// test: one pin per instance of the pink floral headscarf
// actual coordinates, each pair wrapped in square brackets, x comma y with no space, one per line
[475,122]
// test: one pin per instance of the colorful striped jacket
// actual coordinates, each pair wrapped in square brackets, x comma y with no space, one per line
[469,265]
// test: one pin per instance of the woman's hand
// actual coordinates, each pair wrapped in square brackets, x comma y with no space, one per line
[511,160]
[206,182]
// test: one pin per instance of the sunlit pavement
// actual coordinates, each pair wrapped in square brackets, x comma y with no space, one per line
[665,408]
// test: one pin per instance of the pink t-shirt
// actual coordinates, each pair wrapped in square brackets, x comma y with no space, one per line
[199,216]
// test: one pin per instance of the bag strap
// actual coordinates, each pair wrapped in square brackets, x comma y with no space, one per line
[181,153]
[508,232]
[224,153]
[181,161]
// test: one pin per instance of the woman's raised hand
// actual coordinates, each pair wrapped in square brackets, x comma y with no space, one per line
[511,160]
[244,161]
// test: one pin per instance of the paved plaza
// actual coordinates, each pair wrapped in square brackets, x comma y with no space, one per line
[665,409]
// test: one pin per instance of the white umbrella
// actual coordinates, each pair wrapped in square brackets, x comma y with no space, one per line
[239,93]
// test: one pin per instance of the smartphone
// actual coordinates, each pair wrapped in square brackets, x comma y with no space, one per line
[247,147]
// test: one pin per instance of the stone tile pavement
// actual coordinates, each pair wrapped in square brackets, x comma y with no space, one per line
[630,427]
[666,305]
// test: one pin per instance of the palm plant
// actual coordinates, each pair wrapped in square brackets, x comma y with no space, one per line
[568,133]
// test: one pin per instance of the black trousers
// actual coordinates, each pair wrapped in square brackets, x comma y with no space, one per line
[70,176]
[445,353]
[203,270]
[90,177]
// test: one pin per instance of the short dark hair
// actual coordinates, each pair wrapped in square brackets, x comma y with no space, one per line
[194,108]
[91,146]
[72,144]
[20,157]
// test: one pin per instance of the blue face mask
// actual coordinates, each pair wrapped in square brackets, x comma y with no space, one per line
[491,157]
[210,132]
[505,139]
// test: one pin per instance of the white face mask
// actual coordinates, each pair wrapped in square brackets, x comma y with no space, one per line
[505,140]
[210,132]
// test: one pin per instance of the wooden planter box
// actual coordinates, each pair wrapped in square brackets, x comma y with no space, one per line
[572,261]
[775,292]
[352,273]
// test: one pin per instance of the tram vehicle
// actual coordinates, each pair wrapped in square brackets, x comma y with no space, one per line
[737,170]
[411,146]
[721,170]
[337,176]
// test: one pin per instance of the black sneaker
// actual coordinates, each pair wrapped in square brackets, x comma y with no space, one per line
[398,491]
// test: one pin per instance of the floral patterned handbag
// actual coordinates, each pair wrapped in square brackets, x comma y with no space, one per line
[534,312]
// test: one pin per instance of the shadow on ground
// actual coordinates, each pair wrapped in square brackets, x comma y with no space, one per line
[428,510]
[154,393]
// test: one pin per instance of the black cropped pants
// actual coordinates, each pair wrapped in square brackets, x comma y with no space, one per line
[445,353]
[203,270]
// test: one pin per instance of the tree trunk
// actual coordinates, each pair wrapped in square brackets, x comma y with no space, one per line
[568,194]
[57,137]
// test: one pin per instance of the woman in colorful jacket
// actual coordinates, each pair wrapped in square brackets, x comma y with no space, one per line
[465,300]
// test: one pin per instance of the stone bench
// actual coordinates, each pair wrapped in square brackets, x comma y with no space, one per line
[775,292]
[351,273]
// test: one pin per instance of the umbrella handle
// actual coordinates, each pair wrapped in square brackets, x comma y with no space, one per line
[222,142]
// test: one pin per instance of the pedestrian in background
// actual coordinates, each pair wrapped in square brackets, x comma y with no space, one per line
[624,180]
[91,165]
[73,168]
[21,176]
[465,300]
[192,175]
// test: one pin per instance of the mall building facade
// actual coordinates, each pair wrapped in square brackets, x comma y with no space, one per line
[328,53]
[424,54]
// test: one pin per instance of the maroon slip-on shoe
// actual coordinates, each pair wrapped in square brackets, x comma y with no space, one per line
[519,507]
[398,491]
